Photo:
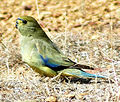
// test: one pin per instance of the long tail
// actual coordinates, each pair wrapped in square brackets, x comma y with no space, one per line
[79,74]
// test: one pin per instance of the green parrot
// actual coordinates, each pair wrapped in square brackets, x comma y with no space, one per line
[42,54]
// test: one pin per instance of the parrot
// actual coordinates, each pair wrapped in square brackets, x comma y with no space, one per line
[42,54]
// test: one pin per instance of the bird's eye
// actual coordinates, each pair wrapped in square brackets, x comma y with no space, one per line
[24,21]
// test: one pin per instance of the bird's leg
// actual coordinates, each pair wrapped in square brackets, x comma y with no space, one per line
[57,76]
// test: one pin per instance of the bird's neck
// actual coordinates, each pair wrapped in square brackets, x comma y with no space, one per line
[34,32]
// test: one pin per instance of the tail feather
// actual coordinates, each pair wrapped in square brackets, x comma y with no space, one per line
[79,74]
[80,66]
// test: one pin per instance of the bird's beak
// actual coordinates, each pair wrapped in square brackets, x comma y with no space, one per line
[16,24]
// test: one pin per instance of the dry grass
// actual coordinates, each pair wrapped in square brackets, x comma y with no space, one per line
[87,31]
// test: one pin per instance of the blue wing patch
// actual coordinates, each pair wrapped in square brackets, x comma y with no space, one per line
[47,63]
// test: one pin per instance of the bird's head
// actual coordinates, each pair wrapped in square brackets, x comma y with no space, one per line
[27,25]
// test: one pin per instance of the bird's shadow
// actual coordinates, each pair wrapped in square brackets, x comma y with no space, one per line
[84,81]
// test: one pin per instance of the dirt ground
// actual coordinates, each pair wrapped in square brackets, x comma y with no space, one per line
[87,31]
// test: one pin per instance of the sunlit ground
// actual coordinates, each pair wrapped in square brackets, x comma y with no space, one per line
[87,31]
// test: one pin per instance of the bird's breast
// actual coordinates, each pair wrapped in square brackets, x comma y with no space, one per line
[29,51]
